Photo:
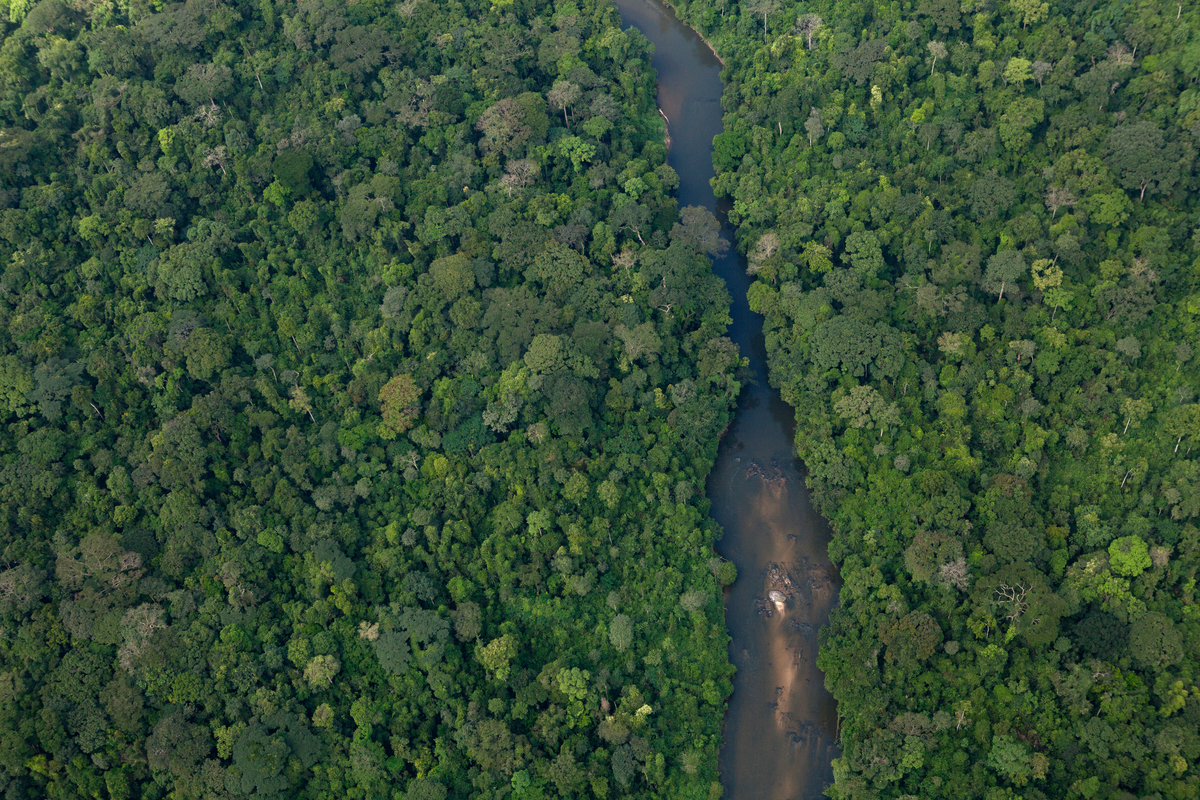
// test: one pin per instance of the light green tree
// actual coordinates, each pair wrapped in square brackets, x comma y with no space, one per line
[497,654]
[576,149]
[1129,556]
[1018,70]
[1031,11]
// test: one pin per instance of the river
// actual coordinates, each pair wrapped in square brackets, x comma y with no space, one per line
[780,730]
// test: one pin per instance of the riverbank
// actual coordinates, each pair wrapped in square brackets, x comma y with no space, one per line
[780,730]
[682,17]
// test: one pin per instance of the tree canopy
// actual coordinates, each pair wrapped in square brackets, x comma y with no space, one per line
[982,306]
[345,447]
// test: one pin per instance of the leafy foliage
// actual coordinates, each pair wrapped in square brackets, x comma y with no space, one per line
[986,219]
[358,379]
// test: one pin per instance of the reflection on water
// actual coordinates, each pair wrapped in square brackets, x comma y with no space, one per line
[779,735]
[780,731]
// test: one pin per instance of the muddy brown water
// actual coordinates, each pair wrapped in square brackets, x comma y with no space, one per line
[780,730]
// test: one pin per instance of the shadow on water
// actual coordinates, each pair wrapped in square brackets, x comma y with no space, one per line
[781,727]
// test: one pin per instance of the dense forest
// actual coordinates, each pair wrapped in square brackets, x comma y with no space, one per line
[975,233]
[359,378]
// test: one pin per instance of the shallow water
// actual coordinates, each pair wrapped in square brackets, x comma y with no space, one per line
[780,731]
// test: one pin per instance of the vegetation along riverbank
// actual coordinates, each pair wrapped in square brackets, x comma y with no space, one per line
[976,241]
[360,377]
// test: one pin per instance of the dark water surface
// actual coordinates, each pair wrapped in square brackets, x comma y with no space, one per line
[780,730]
